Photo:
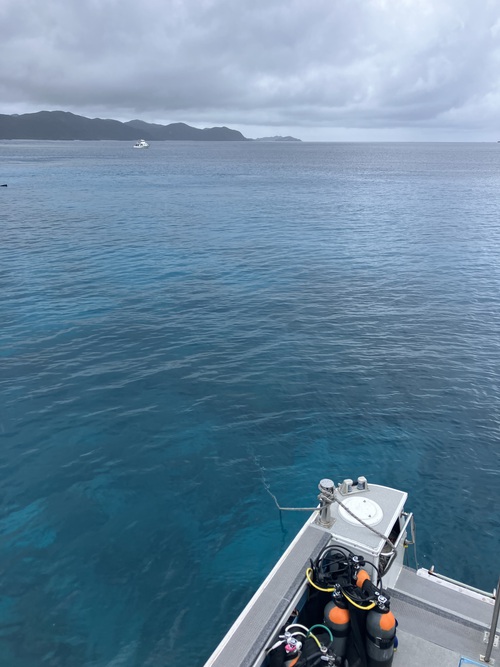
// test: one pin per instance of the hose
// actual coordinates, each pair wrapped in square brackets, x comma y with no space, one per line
[323,627]
[355,604]
[309,572]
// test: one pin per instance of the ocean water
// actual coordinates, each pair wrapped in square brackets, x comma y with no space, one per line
[184,328]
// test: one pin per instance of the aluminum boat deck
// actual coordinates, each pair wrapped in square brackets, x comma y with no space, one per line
[438,623]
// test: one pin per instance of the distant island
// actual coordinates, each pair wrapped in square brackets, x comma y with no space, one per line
[63,125]
[277,139]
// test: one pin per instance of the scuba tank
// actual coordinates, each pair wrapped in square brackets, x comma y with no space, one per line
[380,637]
[380,624]
[337,618]
[285,653]
[361,577]
[292,652]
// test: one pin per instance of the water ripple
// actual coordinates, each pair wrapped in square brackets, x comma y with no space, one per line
[178,333]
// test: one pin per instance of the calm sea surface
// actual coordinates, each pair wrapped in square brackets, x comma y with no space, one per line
[181,327]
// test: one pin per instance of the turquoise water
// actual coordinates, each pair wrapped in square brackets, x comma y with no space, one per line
[181,327]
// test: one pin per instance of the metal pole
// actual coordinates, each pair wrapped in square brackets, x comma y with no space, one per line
[326,488]
[494,621]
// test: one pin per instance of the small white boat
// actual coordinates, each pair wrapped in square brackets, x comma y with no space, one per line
[142,143]
[325,604]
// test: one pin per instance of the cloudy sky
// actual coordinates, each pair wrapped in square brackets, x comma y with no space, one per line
[321,70]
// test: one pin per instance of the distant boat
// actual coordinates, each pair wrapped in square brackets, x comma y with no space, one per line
[142,143]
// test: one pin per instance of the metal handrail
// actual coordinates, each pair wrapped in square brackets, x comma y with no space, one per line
[402,533]
[409,517]
[460,583]
[494,622]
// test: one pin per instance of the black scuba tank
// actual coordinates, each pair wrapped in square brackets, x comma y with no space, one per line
[337,618]
[380,635]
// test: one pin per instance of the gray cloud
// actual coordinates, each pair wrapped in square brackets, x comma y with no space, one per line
[323,64]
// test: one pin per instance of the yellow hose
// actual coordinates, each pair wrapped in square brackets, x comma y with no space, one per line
[330,590]
[318,588]
[315,639]
[358,606]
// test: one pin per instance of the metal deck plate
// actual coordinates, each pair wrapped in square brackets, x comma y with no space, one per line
[436,625]
[469,609]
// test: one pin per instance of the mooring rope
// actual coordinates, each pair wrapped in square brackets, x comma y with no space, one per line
[331,498]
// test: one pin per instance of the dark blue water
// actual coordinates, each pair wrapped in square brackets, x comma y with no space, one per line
[184,325]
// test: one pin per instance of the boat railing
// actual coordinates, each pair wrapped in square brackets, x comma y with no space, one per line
[490,637]
[409,521]
[402,533]
[443,577]
[493,628]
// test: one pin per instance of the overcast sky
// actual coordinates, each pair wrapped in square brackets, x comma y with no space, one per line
[317,69]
